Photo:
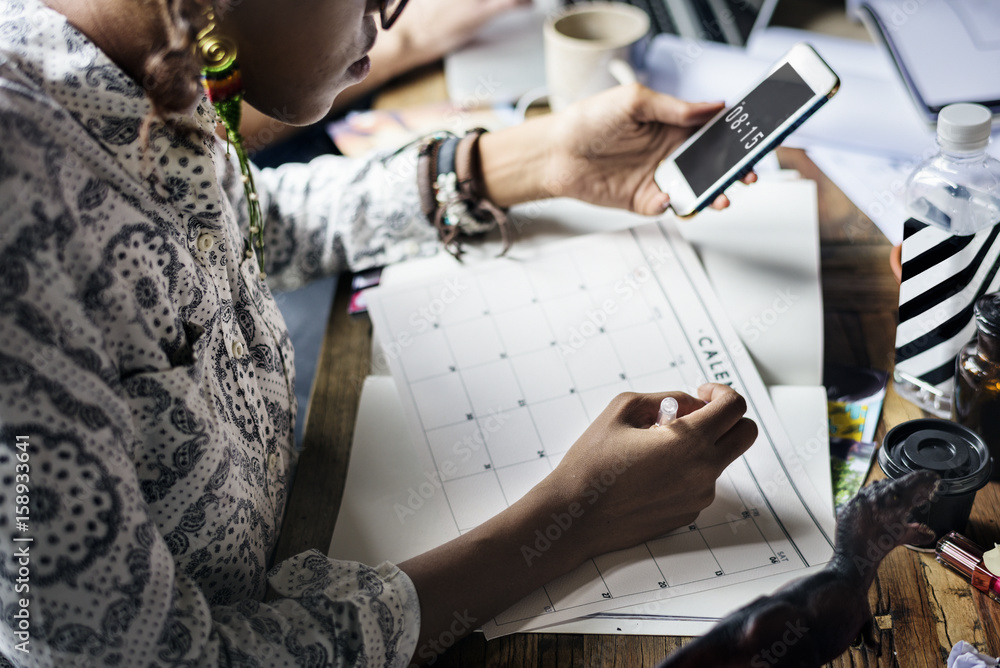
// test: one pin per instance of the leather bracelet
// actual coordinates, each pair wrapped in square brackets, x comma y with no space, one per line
[446,155]
[452,192]
[472,189]
[426,172]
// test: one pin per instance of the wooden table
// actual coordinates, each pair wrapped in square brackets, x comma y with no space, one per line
[921,609]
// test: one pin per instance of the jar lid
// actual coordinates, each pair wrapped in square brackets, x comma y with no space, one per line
[987,313]
[964,127]
[954,452]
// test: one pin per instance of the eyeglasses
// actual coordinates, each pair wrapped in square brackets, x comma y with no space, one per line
[389,10]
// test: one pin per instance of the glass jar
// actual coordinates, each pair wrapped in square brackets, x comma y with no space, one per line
[976,403]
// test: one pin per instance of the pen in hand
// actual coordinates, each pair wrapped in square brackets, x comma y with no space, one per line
[667,413]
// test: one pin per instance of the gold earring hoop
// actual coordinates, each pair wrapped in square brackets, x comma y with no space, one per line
[223,82]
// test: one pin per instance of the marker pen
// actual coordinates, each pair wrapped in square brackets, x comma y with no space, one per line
[962,555]
[667,413]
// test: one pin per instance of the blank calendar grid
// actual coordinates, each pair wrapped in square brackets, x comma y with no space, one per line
[506,376]
[515,368]
[509,385]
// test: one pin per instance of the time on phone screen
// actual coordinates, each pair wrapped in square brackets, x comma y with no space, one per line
[746,124]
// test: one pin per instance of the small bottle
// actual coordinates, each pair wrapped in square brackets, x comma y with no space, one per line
[976,403]
[958,189]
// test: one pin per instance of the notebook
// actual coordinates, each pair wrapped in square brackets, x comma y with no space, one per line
[945,52]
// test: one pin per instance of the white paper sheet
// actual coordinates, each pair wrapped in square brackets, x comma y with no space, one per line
[384,460]
[778,252]
[761,255]
[803,412]
[502,63]
[762,258]
[500,367]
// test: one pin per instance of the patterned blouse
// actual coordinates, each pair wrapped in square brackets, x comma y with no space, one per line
[146,378]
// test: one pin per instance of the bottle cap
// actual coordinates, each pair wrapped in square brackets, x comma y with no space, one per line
[964,127]
[954,452]
[987,313]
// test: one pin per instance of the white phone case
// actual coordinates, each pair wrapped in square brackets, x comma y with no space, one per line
[813,72]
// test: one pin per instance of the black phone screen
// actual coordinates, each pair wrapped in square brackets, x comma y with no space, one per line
[745,125]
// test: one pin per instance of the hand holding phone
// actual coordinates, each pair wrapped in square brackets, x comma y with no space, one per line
[731,143]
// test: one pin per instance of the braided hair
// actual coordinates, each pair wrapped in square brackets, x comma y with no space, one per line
[172,72]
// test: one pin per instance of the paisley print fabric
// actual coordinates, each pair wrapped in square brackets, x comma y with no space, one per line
[146,377]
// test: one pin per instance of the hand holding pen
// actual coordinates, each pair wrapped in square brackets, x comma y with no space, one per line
[647,481]
[667,413]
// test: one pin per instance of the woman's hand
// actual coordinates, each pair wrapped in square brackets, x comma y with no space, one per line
[608,146]
[620,484]
[634,483]
[603,150]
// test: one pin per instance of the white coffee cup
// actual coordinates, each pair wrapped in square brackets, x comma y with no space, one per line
[589,47]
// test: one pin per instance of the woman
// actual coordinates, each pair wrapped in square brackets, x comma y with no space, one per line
[146,377]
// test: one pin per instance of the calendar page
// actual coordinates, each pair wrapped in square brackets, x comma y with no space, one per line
[501,366]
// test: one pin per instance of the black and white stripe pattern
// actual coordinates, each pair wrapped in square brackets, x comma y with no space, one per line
[943,276]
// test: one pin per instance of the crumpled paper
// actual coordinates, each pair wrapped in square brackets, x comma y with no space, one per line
[964,655]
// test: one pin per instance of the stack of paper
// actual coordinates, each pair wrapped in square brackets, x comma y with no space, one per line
[499,366]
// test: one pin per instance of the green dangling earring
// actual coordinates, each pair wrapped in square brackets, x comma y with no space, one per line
[224,85]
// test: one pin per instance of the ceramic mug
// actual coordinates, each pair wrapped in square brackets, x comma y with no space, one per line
[590,47]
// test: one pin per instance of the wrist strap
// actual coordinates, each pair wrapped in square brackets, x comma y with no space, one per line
[446,155]
[452,191]
[472,186]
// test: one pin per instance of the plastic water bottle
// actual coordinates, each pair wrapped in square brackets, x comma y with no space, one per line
[958,189]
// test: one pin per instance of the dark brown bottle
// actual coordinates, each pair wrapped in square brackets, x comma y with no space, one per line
[976,402]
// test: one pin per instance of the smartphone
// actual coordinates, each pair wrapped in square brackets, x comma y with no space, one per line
[730,144]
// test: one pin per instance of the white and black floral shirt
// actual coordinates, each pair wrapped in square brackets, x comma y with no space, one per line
[146,367]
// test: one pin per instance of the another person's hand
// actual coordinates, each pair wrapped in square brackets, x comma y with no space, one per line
[429,29]
[634,483]
[606,148]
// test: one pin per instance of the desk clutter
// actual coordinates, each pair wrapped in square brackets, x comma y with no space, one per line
[950,258]
[500,364]
[497,366]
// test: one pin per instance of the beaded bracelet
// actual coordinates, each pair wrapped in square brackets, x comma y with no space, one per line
[452,193]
